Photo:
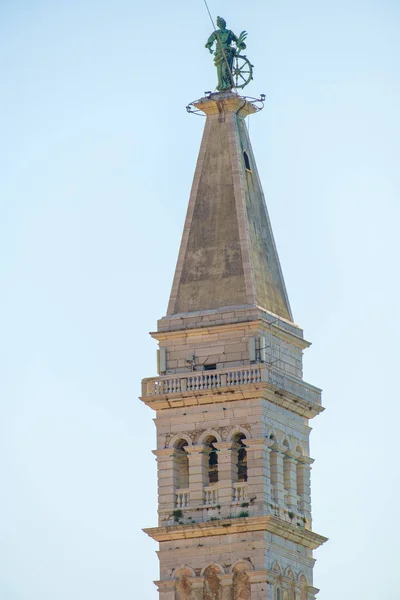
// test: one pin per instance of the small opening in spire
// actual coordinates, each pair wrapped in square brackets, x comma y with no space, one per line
[246,161]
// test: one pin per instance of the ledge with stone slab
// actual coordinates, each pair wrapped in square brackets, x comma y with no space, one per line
[226,385]
[273,525]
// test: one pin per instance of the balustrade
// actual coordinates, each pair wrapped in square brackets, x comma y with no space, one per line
[182,498]
[211,496]
[239,492]
[204,380]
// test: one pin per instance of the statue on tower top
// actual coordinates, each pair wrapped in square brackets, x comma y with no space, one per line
[234,70]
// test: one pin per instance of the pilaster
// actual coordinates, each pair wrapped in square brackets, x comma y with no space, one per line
[289,467]
[226,582]
[305,502]
[167,478]
[198,474]
[166,590]
[258,585]
[227,467]
[276,458]
[258,471]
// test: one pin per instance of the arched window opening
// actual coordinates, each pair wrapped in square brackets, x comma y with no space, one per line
[182,465]
[212,461]
[246,161]
[242,458]
[278,594]
[291,587]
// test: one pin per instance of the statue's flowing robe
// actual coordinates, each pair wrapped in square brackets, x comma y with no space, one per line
[223,54]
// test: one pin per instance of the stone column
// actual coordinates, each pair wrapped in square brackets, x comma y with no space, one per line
[259,585]
[197,588]
[258,472]
[270,591]
[276,459]
[166,462]
[312,592]
[290,479]
[226,586]
[227,473]
[305,502]
[198,474]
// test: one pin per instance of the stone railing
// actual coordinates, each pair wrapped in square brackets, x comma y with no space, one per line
[210,495]
[240,492]
[182,383]
[182,498]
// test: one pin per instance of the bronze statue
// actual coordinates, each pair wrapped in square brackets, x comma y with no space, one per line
[229,74]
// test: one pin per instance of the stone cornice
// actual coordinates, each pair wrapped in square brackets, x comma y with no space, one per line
[313,590]
[252,326]
[304,537]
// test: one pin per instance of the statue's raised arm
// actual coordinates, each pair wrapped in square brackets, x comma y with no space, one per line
[224,54]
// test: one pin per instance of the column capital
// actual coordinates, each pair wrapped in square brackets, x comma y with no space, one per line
[257,443]
[260,576]
[196,582]
[226,578]
[165,584]
[290,456]
[306,460]
[197,449]
[277,447]
[165,453]
[226,445]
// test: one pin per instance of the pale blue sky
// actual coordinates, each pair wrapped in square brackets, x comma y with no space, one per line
[96,159]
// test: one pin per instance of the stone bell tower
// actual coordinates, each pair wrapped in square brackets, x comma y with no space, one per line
[232,409]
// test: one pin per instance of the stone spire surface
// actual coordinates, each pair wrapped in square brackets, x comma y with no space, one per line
[228,256]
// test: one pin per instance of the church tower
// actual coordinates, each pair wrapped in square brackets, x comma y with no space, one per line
[232,409]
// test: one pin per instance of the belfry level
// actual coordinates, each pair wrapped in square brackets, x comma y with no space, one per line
[232,409]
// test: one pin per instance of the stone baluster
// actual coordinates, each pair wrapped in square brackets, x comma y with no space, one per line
[258,472]
[227,473]
[198,474]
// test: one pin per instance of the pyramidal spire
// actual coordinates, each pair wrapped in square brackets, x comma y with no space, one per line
[227,256]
